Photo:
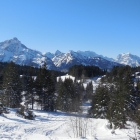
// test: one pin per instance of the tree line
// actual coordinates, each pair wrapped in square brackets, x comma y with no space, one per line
[81,71]
[28,85]
[38,87]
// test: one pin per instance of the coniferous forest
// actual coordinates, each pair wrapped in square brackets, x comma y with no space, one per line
[117,98]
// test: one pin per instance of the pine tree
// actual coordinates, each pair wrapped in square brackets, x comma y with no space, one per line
[38,88]
[123,97]
[100,102]
[69,95]
[116,109]
[89,91]
[65,92]
[30,89]
[45,89]
[11,95]
[79,91]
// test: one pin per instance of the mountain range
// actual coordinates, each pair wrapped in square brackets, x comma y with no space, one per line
[14,50]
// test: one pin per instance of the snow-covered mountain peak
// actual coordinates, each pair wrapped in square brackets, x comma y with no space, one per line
[74,55]
[128,59]
[14,50]
[15,39]
[71,51]
[12,41]
[128,53]
[87,53]
[125,54]
[57,52]
[12,45]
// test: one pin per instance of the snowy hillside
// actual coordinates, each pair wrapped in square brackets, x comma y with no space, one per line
[54,126]
[128,59]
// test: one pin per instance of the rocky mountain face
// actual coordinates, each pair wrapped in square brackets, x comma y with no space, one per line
[128,59]
[14,50]
[66,60]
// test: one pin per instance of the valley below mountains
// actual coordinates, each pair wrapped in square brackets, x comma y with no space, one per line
[14,50]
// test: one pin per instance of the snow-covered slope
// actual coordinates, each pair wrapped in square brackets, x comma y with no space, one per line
[66,60]
[56,126]
[128,59]
[14,50]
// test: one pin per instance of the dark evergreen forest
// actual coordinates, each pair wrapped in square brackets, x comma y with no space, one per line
[79,71]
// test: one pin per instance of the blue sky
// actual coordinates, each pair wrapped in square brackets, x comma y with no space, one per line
[107,27]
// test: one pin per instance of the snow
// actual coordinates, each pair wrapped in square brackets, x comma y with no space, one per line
[95,82]
[128,59]
[54,126]
[136,73]
[57,52]
[14,50]
[65,77]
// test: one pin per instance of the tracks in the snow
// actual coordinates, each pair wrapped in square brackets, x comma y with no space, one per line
[44,125]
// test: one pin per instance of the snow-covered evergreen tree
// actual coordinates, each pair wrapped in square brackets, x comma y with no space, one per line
[69,95]
[11,94]
[45,89]
[100,102]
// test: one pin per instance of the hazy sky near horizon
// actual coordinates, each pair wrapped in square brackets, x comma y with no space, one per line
[107,27]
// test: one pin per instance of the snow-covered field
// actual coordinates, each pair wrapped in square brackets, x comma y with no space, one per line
[54,126]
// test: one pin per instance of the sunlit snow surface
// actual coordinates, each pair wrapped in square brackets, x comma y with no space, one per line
[53,126]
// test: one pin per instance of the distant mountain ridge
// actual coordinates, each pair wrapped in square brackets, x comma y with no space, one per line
[128,59]
[14,50]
